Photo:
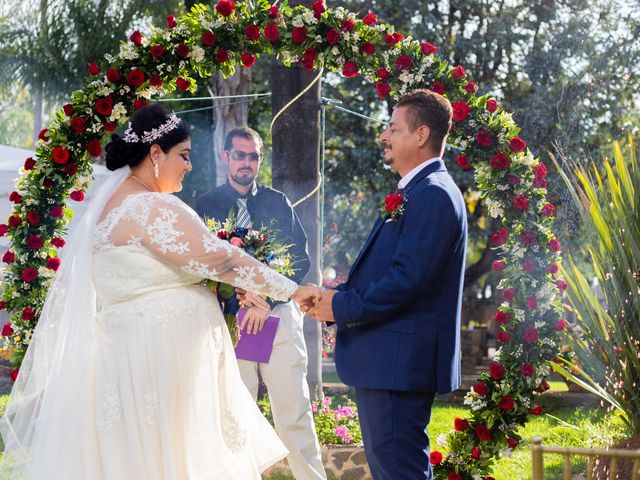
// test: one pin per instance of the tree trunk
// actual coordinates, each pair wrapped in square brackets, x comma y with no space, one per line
[296,160]
[226,117]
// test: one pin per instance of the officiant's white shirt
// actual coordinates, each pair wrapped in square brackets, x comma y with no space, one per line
[404,181]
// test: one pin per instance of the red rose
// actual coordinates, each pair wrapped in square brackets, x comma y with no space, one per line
[460,424]
[463,162]
[27,313]
[544,386]
[521,202]
[530,335]
[428,48]
[453,475]
[460,111]
[34,242]
[552,268]
[7,331]
[208,38]
[29,274]
[370,18]
[77,195]
[532,302]
[347,25]
[367,48]
[529,266]
[514,180]
[9,256]
[539,182]
[503,337]
[318,8]
[157,51]
[540,170]
[500,162]
[383,89]
[475,453]
[29,163]
[435,457]
[273,11]
[512,442]
[155,81]
[94,69]
[298,34]
[536,410]
[60,155]
[136,38]
[559,326]
[183,84]
[222,55]
[53,263]
[307,63]
[15,197]
[56,211]
[548,210]
[135,77]
[526,370]
[527,238]
[78,124]
[517,145]
[110,127]
[500,238]
[14,374]
[43,135]
[562,285]
[458,72]
[404,62]
[554,245]
[483,138]
[481,389]
[498,265]
[68,109]
[4,228]
[492,106]
[392,201]
[252,32]
[138,103]
[310,53]
[225,7]
[496,371]
[483,433]
[502,317]
[94,147]
[171,21]
[113,75]
[271,32]
[70,169]
[393,39]
[506,403]
[350,69]
[57,242]
[383,73]
[471,87]
[182,50]
[104,106]
[33,217]
[333,37]
[248,59]
[509,294]
[14,221]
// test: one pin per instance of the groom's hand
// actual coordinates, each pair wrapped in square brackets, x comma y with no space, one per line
[254,318]
[250,299]
[322,309]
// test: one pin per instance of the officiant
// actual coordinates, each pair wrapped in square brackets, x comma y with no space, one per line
[286,373]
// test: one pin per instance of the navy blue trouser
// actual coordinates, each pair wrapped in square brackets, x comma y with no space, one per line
[394,431]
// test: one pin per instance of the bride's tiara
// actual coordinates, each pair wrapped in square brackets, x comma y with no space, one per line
[147,137]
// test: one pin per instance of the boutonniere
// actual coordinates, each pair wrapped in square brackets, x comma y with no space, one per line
[393,205]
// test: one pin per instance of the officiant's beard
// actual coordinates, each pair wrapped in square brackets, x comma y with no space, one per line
[244,180]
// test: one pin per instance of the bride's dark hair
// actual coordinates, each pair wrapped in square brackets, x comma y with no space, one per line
[121,153]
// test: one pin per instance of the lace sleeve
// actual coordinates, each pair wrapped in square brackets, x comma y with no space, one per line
[174,233]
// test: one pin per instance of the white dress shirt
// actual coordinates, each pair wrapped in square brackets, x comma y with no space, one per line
[404,181]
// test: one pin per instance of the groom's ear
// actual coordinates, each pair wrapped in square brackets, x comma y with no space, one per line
[422,135]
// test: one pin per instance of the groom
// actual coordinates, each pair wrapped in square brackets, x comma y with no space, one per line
[398,314]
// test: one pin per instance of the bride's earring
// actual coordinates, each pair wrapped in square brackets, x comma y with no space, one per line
[156,169]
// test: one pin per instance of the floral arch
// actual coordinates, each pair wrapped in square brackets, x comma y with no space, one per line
[228,36]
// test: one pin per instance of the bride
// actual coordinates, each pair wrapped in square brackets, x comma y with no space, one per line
[131,372]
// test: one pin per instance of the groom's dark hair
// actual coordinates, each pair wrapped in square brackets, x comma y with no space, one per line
[425,107]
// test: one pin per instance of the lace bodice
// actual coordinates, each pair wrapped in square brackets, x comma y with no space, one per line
[154,240]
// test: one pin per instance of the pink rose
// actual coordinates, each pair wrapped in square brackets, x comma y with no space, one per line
[236,242]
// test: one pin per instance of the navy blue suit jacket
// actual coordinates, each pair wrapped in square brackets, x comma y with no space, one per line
[398,314]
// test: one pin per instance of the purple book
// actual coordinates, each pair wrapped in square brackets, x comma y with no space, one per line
[257,348]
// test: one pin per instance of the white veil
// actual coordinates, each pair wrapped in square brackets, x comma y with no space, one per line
[49,408]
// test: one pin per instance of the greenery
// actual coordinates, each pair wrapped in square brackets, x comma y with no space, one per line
[606,338]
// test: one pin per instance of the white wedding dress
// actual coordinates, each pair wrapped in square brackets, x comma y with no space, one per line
[165,397]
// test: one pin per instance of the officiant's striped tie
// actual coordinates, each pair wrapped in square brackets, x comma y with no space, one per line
[244,219]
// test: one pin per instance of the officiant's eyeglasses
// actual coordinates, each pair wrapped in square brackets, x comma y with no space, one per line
[241,156]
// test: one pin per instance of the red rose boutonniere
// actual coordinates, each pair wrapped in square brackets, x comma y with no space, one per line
[393,205]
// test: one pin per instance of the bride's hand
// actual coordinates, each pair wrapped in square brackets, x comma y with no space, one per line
[307,296]
[250,299]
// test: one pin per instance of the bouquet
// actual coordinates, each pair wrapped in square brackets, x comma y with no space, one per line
[263,245]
